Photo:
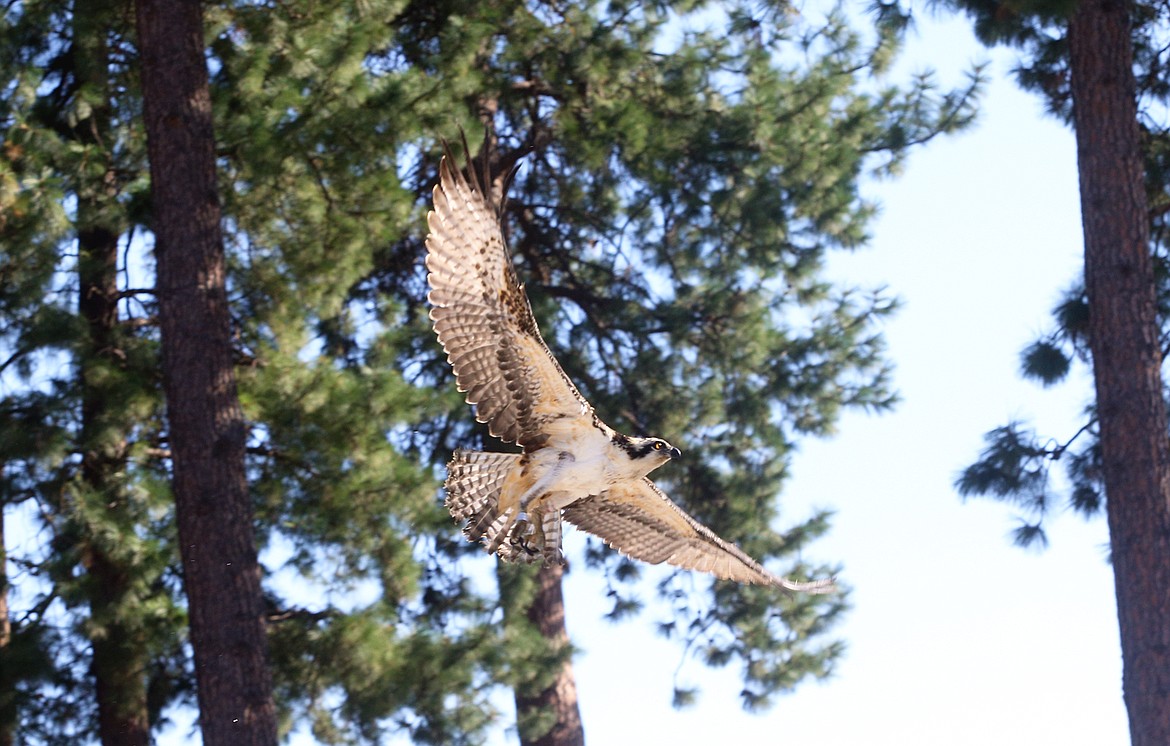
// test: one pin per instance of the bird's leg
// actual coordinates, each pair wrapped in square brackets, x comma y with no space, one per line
[526,536]
[540,485]
[535,530]
[527,532]
[540,536]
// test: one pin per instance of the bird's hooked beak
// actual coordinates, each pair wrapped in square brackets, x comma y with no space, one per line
[674,453]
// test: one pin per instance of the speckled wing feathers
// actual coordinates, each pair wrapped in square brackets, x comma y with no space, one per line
[485,323]
[638,520]
[483,318]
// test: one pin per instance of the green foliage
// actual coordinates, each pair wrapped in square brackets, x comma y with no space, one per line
[698,312]
[1038,29]
[1014,469]
[533,661]
[686,167]
[1044,361]
[81,409]
[1016,462]
[352,673]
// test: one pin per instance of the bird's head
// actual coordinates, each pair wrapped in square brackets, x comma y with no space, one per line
[651,451]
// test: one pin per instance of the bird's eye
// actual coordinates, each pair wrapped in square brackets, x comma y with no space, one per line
[658,445]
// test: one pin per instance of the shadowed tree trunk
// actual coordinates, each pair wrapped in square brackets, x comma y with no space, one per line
[546,708]
[119,661]
[1119,279]
[119,658]
[206,427]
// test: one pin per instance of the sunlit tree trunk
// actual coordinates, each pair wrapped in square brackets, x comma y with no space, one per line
[548,713]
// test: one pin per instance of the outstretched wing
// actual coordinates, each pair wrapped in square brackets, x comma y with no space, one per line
[639,520]
[483,318]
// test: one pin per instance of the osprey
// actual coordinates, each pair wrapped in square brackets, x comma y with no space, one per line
[573,466]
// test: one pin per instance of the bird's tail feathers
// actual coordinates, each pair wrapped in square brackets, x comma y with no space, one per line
[475,480]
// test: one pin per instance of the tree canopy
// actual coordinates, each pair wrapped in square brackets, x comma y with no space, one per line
[685,168]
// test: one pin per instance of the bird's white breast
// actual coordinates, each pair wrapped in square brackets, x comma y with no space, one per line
[583,458]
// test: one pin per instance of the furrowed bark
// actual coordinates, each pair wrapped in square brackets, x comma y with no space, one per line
[1127,361]
[206,425]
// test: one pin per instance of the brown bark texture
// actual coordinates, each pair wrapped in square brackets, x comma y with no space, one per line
[547,614]
[205,423]
[1119,280]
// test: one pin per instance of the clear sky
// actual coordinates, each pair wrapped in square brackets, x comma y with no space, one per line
[956,636]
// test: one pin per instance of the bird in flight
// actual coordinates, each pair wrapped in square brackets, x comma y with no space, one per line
[573,466]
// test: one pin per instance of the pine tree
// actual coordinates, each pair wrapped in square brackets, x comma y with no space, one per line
[313,131]
[1083,61]
[206,429]
[41,451]
[120,658]
[543,687]
[70,439]
[707,193]
[670,230]
[677,196]
[30,212]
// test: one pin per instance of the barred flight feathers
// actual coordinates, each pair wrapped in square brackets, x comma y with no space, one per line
[483,318]
[474,481]
[639,520]
[574,466]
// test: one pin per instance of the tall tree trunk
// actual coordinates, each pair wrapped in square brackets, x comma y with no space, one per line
[546,706]
[206,426]
[119,654]
[119,660]
[1119,279]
